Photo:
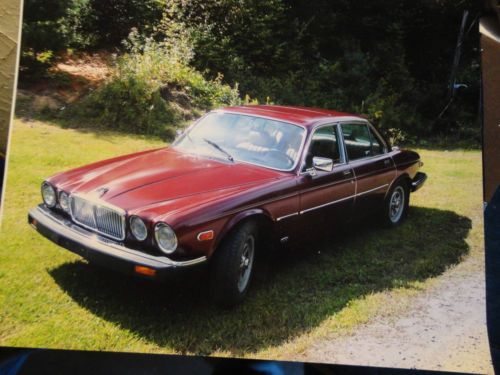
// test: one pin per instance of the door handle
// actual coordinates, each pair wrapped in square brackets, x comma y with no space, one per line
[387,162]
[347,172]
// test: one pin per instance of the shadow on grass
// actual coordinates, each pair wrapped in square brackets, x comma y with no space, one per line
[303,290]
[99,131]
[55,108]
[55,117]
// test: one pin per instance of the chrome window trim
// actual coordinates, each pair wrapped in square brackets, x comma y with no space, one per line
[308,144]
[98,202]
[338,122]
[370,126]
[299,151]
[341,135]
[377,133]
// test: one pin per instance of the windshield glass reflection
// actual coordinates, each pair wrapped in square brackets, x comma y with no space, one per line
[256,140]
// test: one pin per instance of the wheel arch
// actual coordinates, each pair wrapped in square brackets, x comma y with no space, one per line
[262,218]
[405,177]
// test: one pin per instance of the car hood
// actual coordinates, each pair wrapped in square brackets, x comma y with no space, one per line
[156,176]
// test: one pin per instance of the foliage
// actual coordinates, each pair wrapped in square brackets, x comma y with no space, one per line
[393,66]
[43,33]
[108,23]
[348,55]
[51,26]
[152,86]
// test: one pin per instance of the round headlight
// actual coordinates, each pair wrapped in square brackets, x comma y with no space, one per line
[64,201]
[165,238]
[138,228]
[48,194]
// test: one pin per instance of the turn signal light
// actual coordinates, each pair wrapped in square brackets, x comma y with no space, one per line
[145,270]
[205,236]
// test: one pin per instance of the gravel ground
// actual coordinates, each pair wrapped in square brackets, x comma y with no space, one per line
[444,328]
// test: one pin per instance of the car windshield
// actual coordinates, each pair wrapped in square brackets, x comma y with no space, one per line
[251,139]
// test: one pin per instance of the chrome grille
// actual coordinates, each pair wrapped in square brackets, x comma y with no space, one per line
[99,218]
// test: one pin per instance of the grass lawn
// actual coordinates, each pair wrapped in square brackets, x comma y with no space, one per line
[52,298]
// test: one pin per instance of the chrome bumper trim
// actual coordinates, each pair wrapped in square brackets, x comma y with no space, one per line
[418,181]
[63,227]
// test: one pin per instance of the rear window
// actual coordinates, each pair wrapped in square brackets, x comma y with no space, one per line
[361,141]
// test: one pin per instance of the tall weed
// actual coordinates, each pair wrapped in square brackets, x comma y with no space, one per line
[152,87]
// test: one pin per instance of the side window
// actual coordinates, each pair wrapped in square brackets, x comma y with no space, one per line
[357,141]
[324,143]
[377,143]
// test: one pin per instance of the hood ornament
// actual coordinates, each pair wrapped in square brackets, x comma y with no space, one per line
[102,191]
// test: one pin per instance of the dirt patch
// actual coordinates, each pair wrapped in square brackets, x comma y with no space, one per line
[73,77]
[94,68]
[443,329]
[68,81]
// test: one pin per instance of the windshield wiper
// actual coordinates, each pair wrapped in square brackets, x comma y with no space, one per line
[211,143]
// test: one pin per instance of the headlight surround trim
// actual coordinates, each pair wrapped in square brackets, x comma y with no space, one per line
[165,237]
[64,201]
[138,228]
[49,194]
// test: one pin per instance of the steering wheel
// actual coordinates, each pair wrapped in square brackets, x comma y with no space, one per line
[281,156]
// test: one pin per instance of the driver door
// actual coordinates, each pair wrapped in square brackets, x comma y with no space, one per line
[326,197]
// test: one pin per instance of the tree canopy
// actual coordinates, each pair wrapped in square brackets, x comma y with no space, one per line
[389,59]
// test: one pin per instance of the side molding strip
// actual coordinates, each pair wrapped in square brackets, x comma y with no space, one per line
[327,204]
[330,203]
[369,191]
[286,216]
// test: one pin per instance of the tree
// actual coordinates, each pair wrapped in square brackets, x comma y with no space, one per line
[43,32]
[110,21]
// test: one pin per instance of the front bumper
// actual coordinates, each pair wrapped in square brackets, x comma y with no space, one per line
[418,181]
[102,251]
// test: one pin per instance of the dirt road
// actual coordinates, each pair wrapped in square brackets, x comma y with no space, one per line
[443,329]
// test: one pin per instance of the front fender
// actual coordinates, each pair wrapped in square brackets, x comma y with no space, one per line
[257,213]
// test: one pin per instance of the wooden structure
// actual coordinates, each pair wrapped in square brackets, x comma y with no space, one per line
[490,61]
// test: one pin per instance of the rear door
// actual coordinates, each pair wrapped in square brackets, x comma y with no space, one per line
[374,169]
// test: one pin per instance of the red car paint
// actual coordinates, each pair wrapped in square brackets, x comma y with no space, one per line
[194,194]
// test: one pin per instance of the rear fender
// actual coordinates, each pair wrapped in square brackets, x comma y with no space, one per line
[403,177]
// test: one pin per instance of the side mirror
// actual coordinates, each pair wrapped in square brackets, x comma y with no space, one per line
[395,148]
[322,164]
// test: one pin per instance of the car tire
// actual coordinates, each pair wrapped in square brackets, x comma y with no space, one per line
[232,266]
[396,204]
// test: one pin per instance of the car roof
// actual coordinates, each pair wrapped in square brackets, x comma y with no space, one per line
[304,116]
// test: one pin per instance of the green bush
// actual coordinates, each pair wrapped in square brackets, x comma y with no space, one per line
[153,87]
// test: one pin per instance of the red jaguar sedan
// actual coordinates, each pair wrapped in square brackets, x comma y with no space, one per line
[239,181]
